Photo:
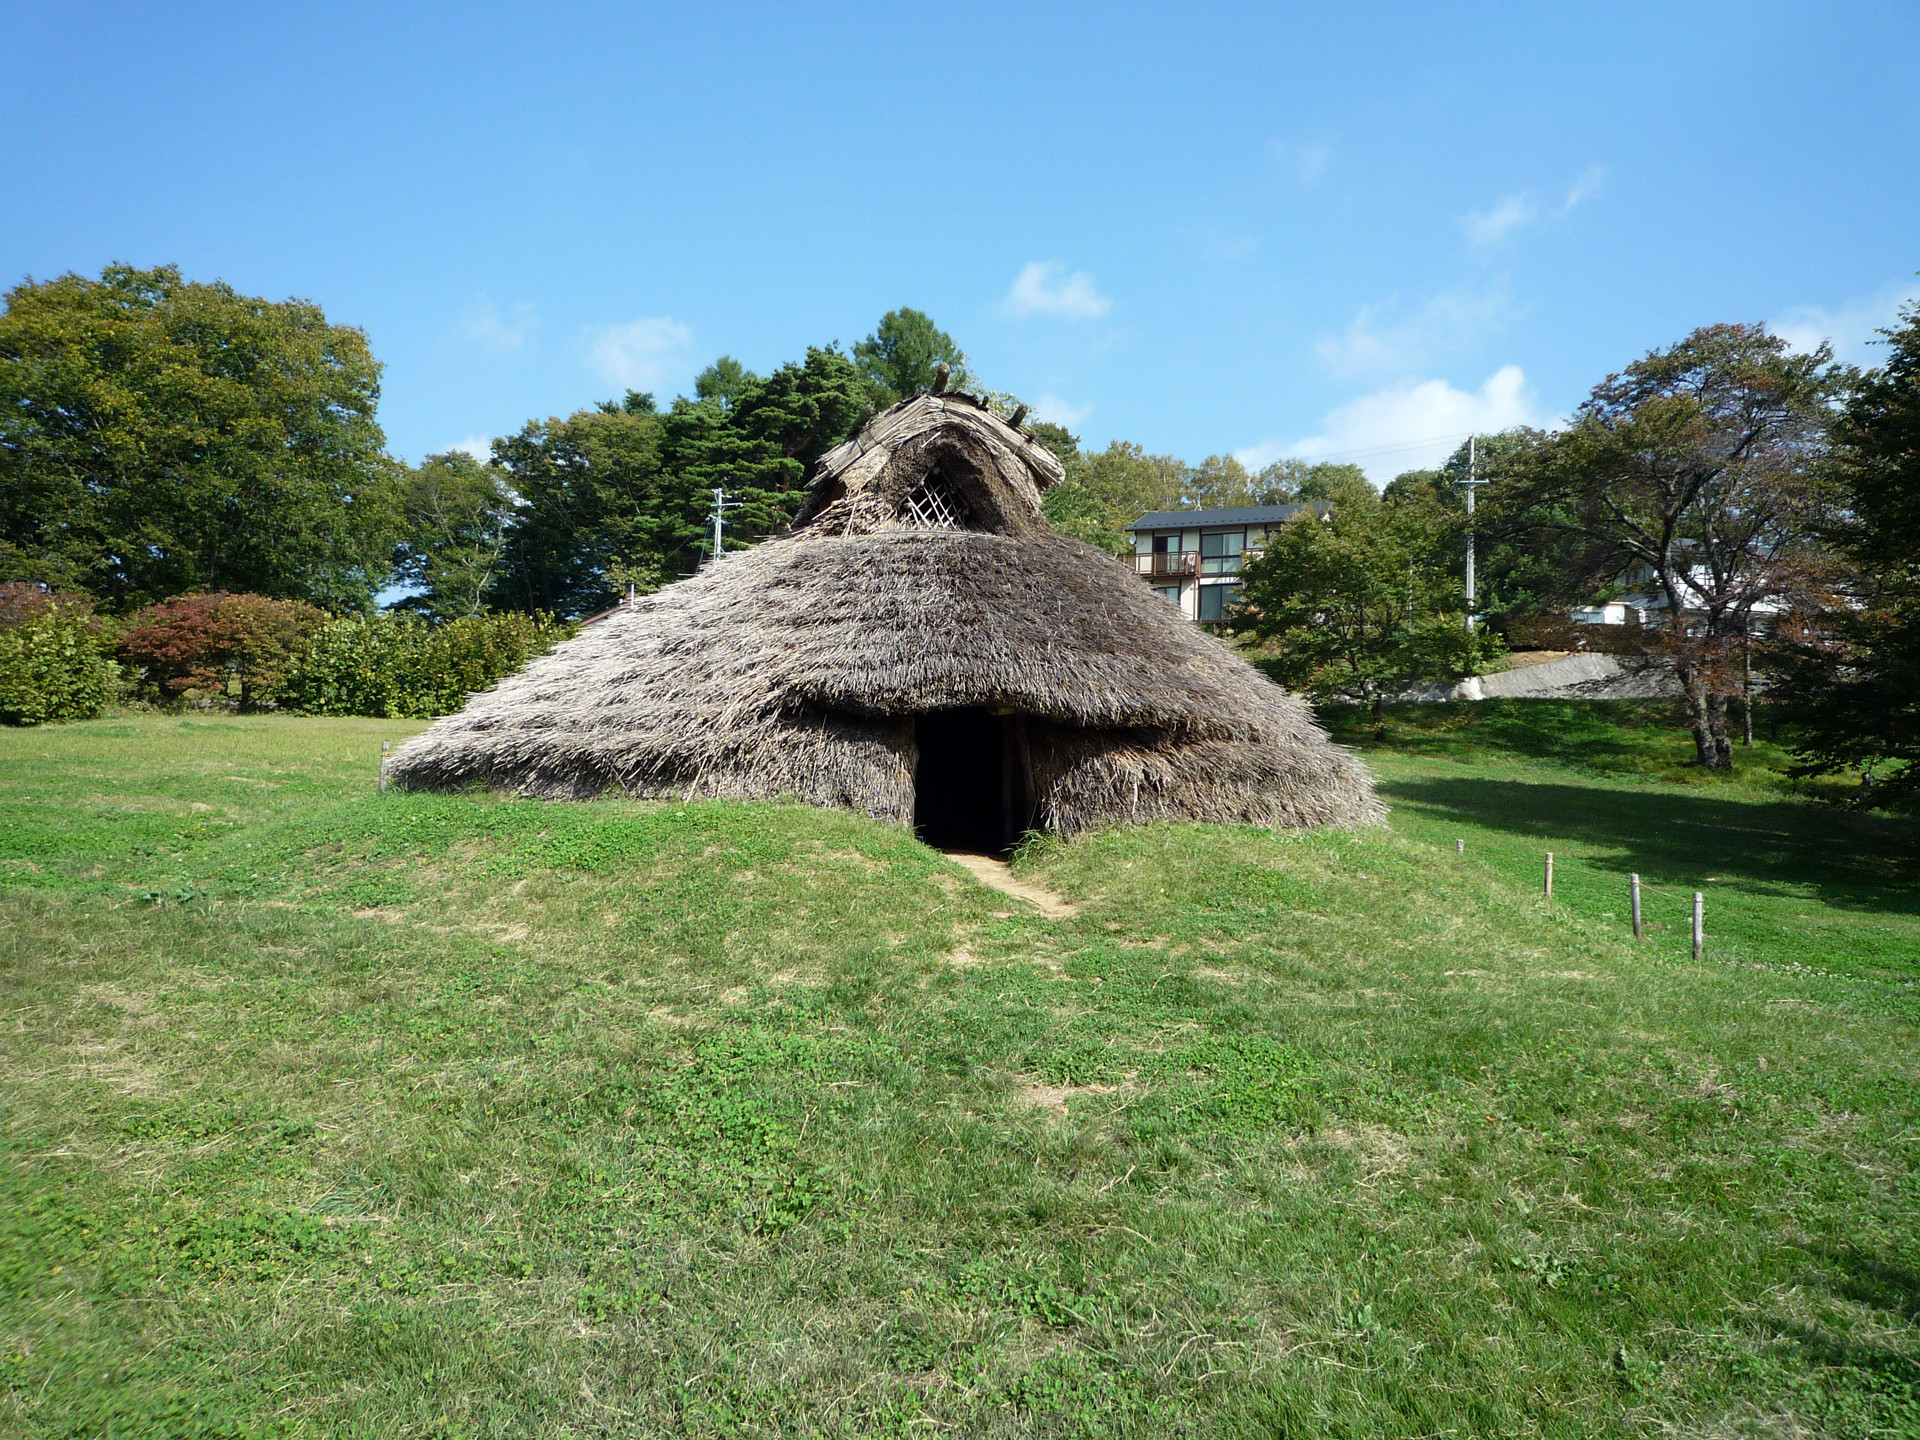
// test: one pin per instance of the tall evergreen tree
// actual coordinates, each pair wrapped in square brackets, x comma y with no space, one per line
[1849,683]
[758,447]
[588,494]
[900,358]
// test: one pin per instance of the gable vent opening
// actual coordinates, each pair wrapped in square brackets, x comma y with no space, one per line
[934,504]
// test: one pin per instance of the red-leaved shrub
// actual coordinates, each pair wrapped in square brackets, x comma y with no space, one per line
[218,646]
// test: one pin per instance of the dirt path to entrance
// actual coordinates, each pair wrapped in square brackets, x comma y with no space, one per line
[996,874]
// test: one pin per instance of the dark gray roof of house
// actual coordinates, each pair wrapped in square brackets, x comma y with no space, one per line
[1245,515]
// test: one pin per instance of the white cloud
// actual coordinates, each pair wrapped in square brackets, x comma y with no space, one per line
[642,356]
[1585,188]
[1374,346]
[482,323]
[1308,162]
[1851,327]
[478,446]
[1044,288]
[1489,227]
[1055,411]
[1412,425]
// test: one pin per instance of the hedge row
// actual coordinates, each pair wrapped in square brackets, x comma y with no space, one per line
[399,665]
[53,658]
[248,652]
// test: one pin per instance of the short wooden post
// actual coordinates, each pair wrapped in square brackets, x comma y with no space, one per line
[1459,847]
[1699,924]
[384,749]
[1549,874]
[1636,908]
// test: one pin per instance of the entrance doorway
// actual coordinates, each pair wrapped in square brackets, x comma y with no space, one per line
[969,787]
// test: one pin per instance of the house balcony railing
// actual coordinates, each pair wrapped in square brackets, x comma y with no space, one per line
[1167,565]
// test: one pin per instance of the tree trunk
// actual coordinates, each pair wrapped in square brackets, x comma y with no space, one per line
[1379,718]
[1717,728]
[1707,718]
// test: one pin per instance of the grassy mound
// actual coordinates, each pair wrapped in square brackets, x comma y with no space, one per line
[333,1112]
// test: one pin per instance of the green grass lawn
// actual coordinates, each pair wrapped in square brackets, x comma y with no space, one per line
[328,1112]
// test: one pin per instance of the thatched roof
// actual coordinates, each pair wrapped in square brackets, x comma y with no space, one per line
[797,667]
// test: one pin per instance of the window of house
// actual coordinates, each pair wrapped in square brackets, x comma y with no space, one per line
[1216,600]
[1168,593]
[1220,552]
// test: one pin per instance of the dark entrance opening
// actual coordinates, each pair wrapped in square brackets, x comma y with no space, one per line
[969,787]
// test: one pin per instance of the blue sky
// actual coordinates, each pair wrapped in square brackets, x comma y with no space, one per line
[1279,229]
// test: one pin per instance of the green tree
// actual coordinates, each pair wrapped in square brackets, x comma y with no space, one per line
[1064,444]
[1695,470]
[1848,680]
[588,498]
[1109,490]
[455,515]
[1354,603]
[1218,482]
[623,492]
[1287,482]
[724,382]
[759,448]
[159,435]
[899,358]
[1520,571]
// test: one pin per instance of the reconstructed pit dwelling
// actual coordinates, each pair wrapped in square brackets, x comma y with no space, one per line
[922,648]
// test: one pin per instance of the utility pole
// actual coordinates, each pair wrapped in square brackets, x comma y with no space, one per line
[1473,484]
[719,517]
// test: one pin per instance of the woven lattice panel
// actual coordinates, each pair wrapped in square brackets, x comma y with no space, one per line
[933,505]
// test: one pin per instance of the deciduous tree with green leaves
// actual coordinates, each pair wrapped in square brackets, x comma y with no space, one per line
[1356,602]
[456,514]
[1698,468]
[159,435]
[1108,490]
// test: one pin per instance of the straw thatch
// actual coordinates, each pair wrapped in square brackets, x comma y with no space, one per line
[919,578]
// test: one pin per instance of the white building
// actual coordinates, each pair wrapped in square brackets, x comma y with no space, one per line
[1192,557]
[1644,603]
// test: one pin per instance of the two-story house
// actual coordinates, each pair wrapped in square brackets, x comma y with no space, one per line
[1192,557]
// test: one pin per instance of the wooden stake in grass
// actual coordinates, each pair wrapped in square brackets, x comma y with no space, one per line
[384,749]
[1636,907]
[1699,924]
[1459,847]
[1549,874]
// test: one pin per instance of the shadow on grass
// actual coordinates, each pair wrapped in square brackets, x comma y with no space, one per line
[1855,860]
[1869,1280]
[1607,734]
